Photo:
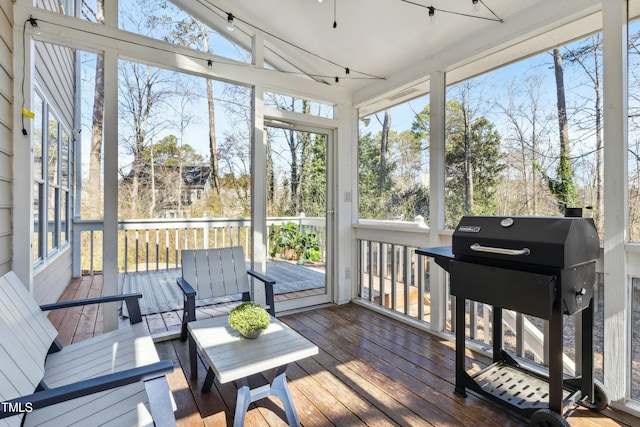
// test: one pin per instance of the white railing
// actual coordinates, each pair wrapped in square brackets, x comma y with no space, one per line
[390,273]
[154,244]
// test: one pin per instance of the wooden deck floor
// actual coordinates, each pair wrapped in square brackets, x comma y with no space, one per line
[371,371]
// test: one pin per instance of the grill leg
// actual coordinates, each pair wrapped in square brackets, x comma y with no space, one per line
[497,334]
[460,347]
[556,351]
[587,351]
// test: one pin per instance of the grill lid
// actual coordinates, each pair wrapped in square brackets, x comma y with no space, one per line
[557,242]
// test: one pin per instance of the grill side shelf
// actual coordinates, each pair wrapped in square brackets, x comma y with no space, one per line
[442,255]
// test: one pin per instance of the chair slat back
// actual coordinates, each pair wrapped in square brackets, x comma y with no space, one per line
[19,372]
[24,318]
[215,272]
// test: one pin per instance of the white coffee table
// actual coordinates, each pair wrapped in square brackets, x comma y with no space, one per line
[231,357]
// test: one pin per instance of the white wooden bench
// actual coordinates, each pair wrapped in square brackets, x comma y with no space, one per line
[114,379]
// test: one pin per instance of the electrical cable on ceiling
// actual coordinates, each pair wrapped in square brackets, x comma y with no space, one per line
[432,10]
[222,13]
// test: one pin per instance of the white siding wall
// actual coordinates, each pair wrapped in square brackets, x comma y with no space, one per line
[50,282]
[6,145]
[54,73]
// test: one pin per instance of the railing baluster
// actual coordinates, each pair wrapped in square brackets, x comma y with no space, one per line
[420,284]
[157,249]
[91,250]
[520,334]
[137,248]
[371,272]
[383,271]
[126,250]
[407,280]
[487,322]
[186,246]
[205,237]
[394,279]
[146,249]
[473,319]
[166,247]
[177,246]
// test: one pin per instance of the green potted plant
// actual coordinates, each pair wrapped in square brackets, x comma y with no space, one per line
[249,318]
[293,243]
[282,240]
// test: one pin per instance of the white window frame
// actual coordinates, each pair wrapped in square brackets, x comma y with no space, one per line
[53,233]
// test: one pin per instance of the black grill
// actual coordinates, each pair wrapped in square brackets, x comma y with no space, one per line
[511,261]
[541,266]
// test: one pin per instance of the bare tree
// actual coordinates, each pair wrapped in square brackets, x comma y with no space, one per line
[184,118]
[527,122]
[563,186]
[142,90]
[588,58]
[193,33]
[95,156]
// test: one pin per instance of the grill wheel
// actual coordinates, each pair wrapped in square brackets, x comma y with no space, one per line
[548,418]
[600,399]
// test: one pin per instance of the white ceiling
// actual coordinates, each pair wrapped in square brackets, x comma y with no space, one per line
[390,39]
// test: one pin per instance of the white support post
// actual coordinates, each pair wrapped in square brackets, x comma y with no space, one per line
[110,231]
[76,238]
[437,276]
[111,13]
[616,280]
[259,192]
[344,251]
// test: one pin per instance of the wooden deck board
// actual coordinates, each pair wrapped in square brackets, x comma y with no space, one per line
[370,371]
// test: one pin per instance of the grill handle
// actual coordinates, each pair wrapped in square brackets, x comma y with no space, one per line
[501,251]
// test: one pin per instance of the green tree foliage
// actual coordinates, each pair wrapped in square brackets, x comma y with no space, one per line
[473,160]
[373,200]
[392,173]
[161,177]
[314,192]
[169,153]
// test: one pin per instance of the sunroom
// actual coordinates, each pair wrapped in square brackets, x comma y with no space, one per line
[331,140]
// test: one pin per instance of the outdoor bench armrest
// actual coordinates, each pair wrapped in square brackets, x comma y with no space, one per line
[189,307]
[266,280]
[187,289]
[131,300]
[60,394]
[268,287]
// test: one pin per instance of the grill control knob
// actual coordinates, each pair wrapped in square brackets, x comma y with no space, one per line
[582,291]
